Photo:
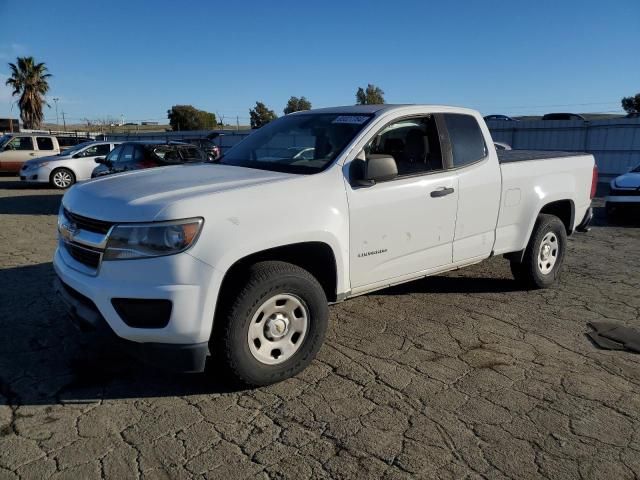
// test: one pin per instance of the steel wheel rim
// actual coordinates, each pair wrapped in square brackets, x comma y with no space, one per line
[278,329]
[548,253]
[62,179]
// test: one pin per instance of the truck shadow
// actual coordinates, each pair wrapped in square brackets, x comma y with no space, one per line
[30,204]
[447,284]
[46,361]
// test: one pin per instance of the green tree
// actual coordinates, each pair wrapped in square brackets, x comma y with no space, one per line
[631,104]
[29,80]
[261,115]
[296,104]
[187,117]
[371,96]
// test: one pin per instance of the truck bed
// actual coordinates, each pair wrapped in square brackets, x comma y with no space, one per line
[509,156]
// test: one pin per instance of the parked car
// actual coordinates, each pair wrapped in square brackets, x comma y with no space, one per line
[146,154]
[502,146]
[68,141]
[504,118]
[68,167]
[17,148]
[242,255]
[624,194]
[563,116]
[210,149]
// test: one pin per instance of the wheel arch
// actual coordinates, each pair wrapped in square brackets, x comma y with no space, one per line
[564,209]
[317,257]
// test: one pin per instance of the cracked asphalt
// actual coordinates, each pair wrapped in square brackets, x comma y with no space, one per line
[457,376]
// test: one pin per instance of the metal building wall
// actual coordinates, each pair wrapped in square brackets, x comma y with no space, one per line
[615,143]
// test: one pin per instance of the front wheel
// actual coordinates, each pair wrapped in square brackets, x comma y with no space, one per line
[276,325]
[62,178]
[544,255]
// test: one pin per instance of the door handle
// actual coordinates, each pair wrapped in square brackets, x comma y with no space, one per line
[442,192]
[32,154]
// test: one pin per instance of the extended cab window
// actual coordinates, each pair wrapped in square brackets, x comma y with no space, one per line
[467,141]
[413,143]
[44,143]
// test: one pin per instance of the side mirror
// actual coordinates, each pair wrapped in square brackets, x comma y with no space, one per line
[101,160]
[378,168]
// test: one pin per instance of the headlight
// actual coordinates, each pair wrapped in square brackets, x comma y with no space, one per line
[152,239]
[43,164]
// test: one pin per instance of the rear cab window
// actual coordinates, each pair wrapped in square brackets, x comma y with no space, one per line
[467,141]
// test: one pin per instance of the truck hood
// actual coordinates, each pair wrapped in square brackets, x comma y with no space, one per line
[628,180]
[141,195]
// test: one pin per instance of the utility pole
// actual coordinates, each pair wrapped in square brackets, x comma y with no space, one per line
[57,119]
[64,121]
[237,123]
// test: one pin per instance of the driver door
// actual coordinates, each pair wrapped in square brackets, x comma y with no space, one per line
[17,151]
[404,226]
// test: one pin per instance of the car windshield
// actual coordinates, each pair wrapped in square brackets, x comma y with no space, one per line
[301,143]
[4,139]
[636,170]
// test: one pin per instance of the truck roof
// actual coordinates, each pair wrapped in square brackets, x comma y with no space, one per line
[376,109]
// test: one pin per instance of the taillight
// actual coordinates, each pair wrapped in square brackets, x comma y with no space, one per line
[594,181]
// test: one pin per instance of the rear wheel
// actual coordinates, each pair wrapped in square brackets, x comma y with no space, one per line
[62,178]
[275,326]
[543,257]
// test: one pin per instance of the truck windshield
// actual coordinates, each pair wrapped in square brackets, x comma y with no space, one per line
[301,143]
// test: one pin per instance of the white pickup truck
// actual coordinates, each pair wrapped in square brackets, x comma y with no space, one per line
[239,259]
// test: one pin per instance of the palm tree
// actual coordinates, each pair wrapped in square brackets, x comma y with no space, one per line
[29,80]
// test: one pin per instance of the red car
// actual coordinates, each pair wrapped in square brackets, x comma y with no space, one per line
[147,154]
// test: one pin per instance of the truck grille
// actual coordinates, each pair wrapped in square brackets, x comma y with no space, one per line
[90,224]
[86,256]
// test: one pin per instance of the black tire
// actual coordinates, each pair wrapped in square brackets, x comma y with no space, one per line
[263,281]
[529,272]
[63,171]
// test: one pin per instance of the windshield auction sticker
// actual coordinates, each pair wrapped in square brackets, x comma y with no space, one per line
[355,119]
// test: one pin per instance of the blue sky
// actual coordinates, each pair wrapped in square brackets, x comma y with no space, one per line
[139,58]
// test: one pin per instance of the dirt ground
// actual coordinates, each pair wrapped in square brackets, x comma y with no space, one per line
[455,376]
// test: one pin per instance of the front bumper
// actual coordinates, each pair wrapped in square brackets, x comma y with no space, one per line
[188,283]
[35,175]
[185,358]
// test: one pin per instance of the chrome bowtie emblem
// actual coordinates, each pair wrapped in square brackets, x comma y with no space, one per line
[68,230]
